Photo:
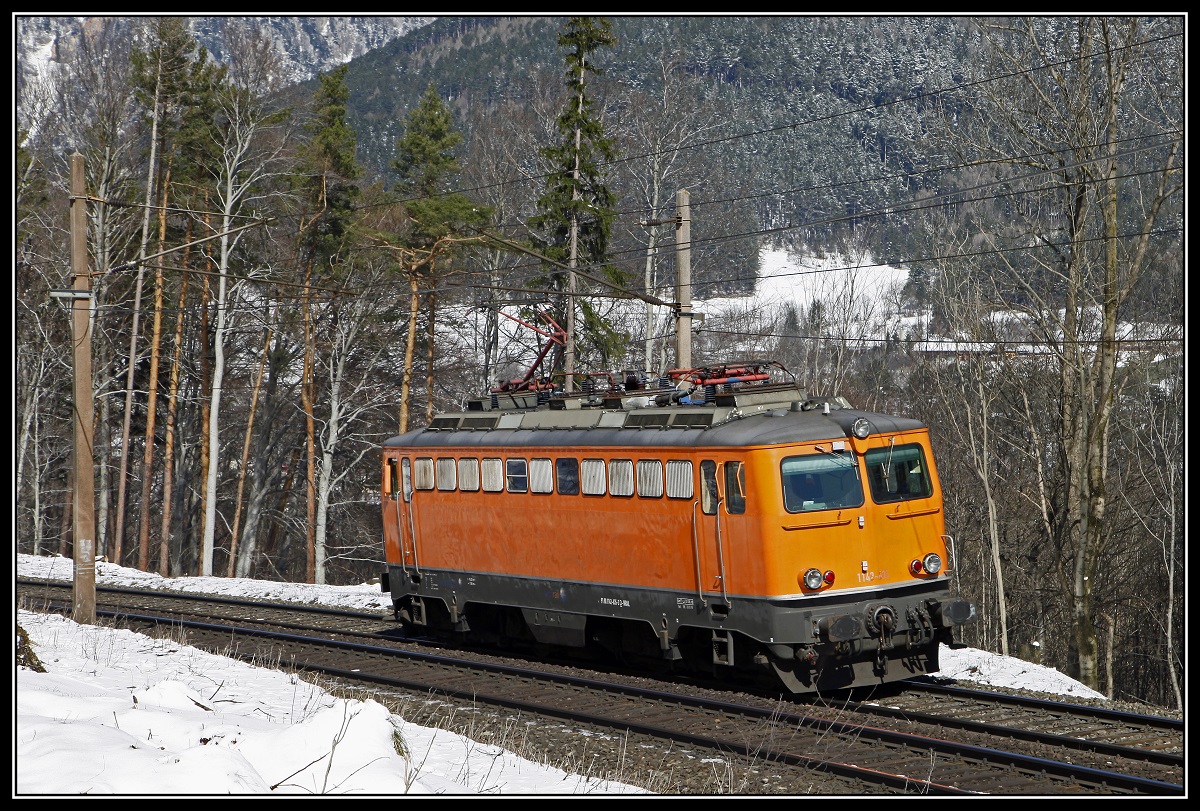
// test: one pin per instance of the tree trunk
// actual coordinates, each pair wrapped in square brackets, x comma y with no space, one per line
[409,348]
[430,333]
[310,450]
[152,386]
[205,403]
[151,171]
[237,513]
[164,538]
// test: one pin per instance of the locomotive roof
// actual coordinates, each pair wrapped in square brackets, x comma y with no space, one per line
[763,416]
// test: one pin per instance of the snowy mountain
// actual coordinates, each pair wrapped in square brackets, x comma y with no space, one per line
[309,45]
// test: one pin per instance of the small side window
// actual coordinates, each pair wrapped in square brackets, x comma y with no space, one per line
[592,478]
[679,478]
[447,478]
[423,473]
[468,473]
[493,475]
[517,472]
[567,471]
[620,477]
[649,478]
[541,476]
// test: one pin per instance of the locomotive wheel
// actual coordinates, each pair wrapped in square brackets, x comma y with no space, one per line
[795,677]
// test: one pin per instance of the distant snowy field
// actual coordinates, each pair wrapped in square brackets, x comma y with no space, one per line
[786,278]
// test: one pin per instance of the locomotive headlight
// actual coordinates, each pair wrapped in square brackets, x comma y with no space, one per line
[930,564]
[813,579]
[861,428]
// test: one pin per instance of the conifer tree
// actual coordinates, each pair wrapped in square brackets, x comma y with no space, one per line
[574,223]
[328,169]
[427,164]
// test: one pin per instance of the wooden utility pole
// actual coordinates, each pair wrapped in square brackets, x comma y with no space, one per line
[84,502]
[683,280]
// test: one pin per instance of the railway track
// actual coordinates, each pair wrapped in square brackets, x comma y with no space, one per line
[927,740]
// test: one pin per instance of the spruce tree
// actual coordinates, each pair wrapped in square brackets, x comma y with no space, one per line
[438,220]
[574,223]
[427,164]
[329,167]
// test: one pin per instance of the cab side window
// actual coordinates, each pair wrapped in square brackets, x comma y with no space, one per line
[735,488]
[708,486]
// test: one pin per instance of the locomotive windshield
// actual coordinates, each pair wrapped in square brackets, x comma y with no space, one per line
[898,473]
[820,482]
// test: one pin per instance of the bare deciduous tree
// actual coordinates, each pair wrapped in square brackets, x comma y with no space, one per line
[250,152]
[1090,118]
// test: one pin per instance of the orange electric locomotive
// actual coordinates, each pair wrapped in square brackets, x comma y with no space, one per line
[718,521]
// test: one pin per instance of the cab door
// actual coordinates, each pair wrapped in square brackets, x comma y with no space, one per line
[404,516]
[722,499]
[391,510]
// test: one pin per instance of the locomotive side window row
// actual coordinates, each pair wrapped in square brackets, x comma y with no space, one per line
[566,476]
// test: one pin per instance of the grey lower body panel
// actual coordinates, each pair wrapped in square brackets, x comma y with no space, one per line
[557,611]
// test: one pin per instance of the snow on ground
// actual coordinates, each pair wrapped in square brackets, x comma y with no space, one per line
[120,713]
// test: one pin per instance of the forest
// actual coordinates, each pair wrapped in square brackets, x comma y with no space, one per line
[280,276]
